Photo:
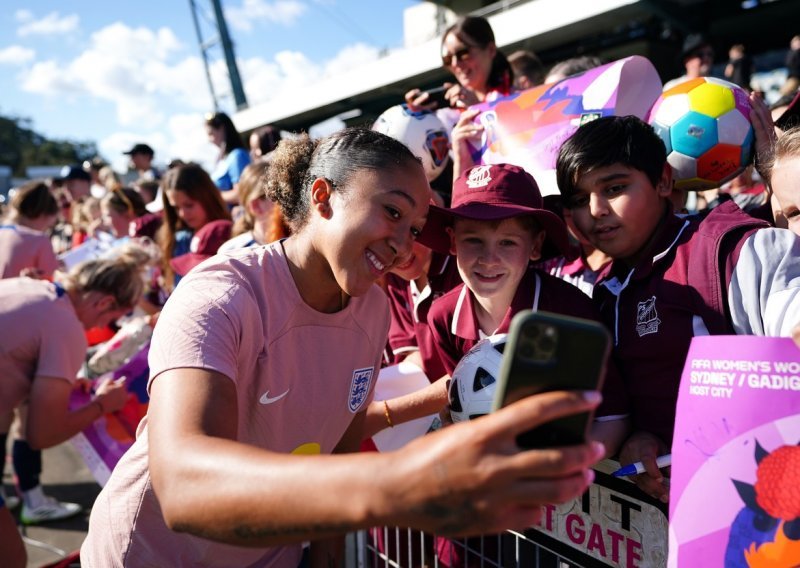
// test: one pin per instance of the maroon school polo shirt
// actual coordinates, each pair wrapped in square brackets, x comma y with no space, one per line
[653,311]
[455,331]
[409,329]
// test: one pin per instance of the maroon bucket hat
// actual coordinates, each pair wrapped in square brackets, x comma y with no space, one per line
[205,243]
[492,193]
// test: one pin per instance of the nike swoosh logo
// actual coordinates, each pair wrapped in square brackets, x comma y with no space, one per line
[265,399]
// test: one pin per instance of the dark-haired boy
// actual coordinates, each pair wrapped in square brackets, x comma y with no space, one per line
[671,278]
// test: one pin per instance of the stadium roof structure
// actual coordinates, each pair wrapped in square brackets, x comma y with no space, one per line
[554,29]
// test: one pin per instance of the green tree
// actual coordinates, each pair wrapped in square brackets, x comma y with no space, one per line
[21,146]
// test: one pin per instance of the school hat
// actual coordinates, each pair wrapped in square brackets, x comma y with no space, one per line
[140,149]
[205,244]
[493,193]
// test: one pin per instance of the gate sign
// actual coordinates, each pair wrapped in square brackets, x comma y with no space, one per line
[612,524]
[735,494]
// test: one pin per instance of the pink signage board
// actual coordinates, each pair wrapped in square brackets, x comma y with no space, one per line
[735,493]
[528,128]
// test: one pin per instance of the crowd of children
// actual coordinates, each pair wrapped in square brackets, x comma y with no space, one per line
[264,358]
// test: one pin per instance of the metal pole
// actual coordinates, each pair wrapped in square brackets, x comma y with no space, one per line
[201,42]
[230,59]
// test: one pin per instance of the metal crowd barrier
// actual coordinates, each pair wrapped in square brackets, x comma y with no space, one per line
[611,524]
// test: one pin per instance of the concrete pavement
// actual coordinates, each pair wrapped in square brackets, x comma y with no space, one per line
[66,478]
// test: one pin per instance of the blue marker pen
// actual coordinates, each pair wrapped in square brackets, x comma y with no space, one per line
[638,467]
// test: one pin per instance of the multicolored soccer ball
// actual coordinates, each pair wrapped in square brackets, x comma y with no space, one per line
[423,133]
[705,125]
[474,379]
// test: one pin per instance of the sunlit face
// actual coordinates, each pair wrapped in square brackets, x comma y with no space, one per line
[119,223]
[141,161]
[493,259]
[786,188]
[617,209]
[215,135]
[189,211]
[470,65]
[373,224]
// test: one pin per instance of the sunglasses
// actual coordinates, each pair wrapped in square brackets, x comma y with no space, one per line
[460,55]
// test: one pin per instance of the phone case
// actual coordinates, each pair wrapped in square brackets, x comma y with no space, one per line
[546,352]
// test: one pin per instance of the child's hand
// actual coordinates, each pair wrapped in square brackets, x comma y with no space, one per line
[113,393]
[796,335]
[461,97]
[465,131]
[645,447]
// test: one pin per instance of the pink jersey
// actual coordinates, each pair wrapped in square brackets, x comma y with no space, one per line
[40,335]
[21,247]
[301,376]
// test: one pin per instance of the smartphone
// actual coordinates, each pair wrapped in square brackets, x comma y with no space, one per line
[547,352]
[436,95]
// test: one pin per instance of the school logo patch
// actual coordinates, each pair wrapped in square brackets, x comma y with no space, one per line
[359,387]
[479,176]
[647,317]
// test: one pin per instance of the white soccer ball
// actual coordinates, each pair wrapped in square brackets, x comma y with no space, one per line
[474,379]
[423,133]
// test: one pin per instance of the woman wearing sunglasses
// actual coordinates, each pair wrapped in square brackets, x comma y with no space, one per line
[482,73]
[470,53]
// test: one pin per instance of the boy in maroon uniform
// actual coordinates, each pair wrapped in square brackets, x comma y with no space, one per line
[496,228]
[671,278]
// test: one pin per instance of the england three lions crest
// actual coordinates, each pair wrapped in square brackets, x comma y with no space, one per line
[647,317]
[359,388]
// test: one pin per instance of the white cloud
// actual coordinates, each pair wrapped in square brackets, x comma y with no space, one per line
[159,89]
[349,58]
[16,55]
[49,78]
[284,12]
[130,67]
[52,23]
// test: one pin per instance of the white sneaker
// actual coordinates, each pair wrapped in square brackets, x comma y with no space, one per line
[11,501]
[49,510]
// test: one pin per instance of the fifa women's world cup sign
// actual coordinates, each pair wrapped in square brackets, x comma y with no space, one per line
[735,495]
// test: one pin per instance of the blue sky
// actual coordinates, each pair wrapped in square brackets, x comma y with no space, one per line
[123,72]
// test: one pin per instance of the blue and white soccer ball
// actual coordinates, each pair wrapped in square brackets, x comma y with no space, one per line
[474,379]
[424,134]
